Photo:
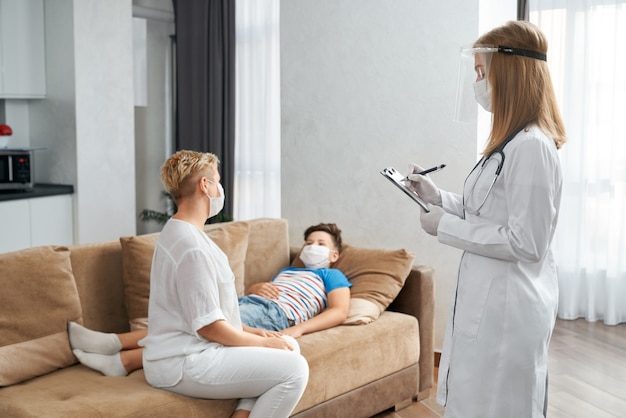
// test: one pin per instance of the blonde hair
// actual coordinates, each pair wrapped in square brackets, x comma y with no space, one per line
[183,169]
[522,90]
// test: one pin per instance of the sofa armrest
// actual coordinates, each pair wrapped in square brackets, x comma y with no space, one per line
[417,298]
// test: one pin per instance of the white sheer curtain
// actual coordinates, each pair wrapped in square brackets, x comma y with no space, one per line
[257,117]
[587,56]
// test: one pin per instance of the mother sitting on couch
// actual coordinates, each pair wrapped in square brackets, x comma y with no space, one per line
[196,344]
[296,301]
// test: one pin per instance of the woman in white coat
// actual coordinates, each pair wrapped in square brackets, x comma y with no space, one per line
[495,353]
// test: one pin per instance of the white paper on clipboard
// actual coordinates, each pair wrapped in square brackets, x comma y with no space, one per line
[398,180]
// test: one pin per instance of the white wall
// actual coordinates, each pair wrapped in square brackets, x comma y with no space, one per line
[153,122]
[369,84]
[104,119]
[86,120]
[53,120]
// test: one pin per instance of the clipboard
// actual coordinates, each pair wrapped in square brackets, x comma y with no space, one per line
[398,180]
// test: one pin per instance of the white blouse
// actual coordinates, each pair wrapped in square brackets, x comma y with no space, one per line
[191,286]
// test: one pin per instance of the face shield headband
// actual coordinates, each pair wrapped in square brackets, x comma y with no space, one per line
[473,81]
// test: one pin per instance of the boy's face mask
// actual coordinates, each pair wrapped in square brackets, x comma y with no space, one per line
[315,256]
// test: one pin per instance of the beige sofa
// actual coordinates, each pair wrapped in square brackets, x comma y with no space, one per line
[382,358]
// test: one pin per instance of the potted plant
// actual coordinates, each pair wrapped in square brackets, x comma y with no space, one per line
[150,215]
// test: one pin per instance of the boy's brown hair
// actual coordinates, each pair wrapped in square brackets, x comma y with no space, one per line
[329,228]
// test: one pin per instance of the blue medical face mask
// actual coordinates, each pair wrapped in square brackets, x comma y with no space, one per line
[315,256]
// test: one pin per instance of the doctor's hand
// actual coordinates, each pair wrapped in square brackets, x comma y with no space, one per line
[423,185]
[430,220]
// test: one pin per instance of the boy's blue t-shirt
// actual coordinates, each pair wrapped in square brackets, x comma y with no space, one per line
[304,291]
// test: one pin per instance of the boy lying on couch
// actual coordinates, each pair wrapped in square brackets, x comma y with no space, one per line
[296,301]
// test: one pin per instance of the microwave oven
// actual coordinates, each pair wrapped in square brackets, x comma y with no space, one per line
[16,169]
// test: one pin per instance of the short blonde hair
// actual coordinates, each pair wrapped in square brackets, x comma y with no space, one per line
[521,86]
[183,168]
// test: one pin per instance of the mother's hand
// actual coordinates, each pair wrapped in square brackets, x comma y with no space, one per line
[278,342]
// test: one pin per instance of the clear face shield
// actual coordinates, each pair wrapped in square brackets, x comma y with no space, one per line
[473,84]
[473,81]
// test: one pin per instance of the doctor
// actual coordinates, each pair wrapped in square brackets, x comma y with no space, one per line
[495,353]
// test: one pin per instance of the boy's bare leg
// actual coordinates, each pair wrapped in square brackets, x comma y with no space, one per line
[130,340]
[240,413]
[132,359]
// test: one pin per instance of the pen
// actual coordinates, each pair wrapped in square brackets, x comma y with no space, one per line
[429,170]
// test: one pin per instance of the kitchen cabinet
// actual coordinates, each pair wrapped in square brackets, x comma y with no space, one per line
[22,51]
[14,225]
[37,221]
[51,221]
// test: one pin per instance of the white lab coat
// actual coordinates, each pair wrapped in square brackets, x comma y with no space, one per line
[495,352]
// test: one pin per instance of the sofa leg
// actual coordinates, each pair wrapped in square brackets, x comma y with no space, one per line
[403,404]
[423,395]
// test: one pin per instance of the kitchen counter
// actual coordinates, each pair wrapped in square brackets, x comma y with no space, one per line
[40,190]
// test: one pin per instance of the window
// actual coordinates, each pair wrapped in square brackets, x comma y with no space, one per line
[587,40]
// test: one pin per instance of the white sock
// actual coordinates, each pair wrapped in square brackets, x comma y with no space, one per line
[108,365]
[93,341]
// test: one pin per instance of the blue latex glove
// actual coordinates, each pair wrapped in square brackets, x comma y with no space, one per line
[430,220]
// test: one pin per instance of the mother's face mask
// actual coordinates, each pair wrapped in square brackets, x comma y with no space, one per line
[216,204]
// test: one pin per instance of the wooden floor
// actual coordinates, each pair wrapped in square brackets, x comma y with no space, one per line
[587,367]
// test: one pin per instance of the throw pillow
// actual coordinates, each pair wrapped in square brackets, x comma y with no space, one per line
[362,312]
[38,298]
[231,237]
[136,262]
[377,276]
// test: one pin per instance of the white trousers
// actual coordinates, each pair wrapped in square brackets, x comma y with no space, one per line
[269,381]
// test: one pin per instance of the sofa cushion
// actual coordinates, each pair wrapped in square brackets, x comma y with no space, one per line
[377,276]
[361,312]
[345,357]
[340,359]
[232,238]
[37,299]
[136,261]
[268,249]
[137,252]
[79,392]
[97,270]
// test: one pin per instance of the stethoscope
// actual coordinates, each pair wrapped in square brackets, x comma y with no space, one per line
[483,162]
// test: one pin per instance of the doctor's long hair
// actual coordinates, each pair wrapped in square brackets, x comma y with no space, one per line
[522,90]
